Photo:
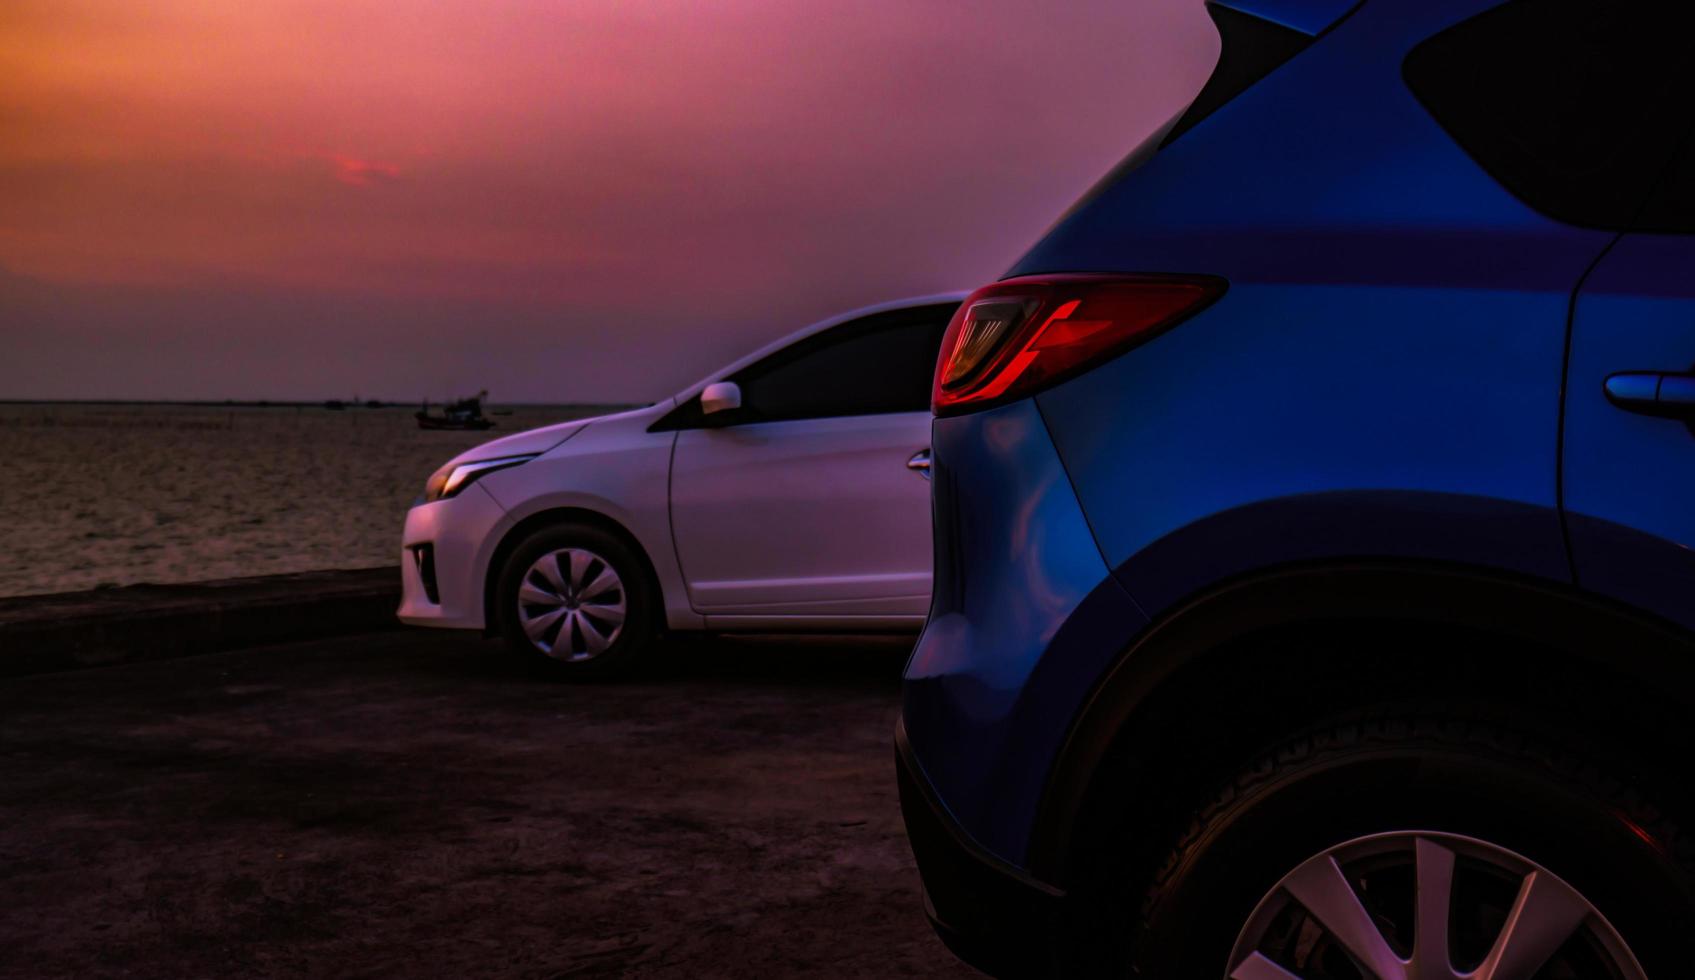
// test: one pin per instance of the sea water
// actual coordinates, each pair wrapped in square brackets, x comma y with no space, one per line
[106,495]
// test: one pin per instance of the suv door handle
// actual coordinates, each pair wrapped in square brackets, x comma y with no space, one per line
[920,463]
[1663,394]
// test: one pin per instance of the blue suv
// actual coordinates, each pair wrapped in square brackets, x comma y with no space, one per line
[1315,522]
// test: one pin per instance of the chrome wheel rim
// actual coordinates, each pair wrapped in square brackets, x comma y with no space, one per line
[1426,906]
[571,604]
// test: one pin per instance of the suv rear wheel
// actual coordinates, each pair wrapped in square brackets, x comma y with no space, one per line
[1418,849]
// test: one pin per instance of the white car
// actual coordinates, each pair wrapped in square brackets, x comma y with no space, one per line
[787,492]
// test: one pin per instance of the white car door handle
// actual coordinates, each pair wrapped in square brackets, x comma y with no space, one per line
[920,463]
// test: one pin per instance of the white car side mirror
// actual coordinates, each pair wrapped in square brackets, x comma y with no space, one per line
[720,396]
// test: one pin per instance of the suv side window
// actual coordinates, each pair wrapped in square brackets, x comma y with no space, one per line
[1574,106]
[1671,207]
[871,366]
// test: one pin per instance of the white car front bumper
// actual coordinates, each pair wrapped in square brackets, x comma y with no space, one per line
[456,536]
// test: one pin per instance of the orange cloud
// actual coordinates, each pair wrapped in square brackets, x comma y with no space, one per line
[364,173]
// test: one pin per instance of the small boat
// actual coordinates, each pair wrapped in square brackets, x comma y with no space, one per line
[465,414]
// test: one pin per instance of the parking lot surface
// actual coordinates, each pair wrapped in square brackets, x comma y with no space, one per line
[408,803]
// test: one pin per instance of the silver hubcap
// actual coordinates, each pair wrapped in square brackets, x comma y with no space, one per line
[1426,906]
[571,604]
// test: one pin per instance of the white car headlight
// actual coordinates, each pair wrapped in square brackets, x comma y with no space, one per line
[454,477]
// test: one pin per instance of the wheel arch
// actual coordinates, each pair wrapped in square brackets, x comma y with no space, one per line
[555,517]
[1298,629]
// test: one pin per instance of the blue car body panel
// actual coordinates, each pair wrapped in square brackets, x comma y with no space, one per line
[1385,378]
[1421,423]
[1381,378]
[1394,333]
[1002,597]
[1628,477]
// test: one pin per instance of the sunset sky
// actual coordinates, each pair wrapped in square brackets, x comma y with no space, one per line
[577,200]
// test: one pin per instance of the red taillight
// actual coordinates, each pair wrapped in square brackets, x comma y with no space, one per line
[1017,336]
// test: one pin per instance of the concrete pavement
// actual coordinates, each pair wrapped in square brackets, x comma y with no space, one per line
[407,803]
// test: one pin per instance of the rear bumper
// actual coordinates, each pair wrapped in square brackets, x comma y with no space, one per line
[1025,618]
[990,914]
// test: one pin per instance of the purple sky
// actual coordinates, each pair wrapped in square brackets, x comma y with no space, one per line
[597,200]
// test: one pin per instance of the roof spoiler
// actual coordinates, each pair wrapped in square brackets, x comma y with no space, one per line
[1309,17]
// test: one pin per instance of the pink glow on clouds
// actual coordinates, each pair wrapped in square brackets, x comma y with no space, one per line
[661,178]
[363,173]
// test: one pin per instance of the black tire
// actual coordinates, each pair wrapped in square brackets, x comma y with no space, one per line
[1401,776]
[635,636]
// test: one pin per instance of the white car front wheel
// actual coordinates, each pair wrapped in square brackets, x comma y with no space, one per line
[575,600]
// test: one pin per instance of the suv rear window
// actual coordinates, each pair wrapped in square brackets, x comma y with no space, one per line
[1575,106]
